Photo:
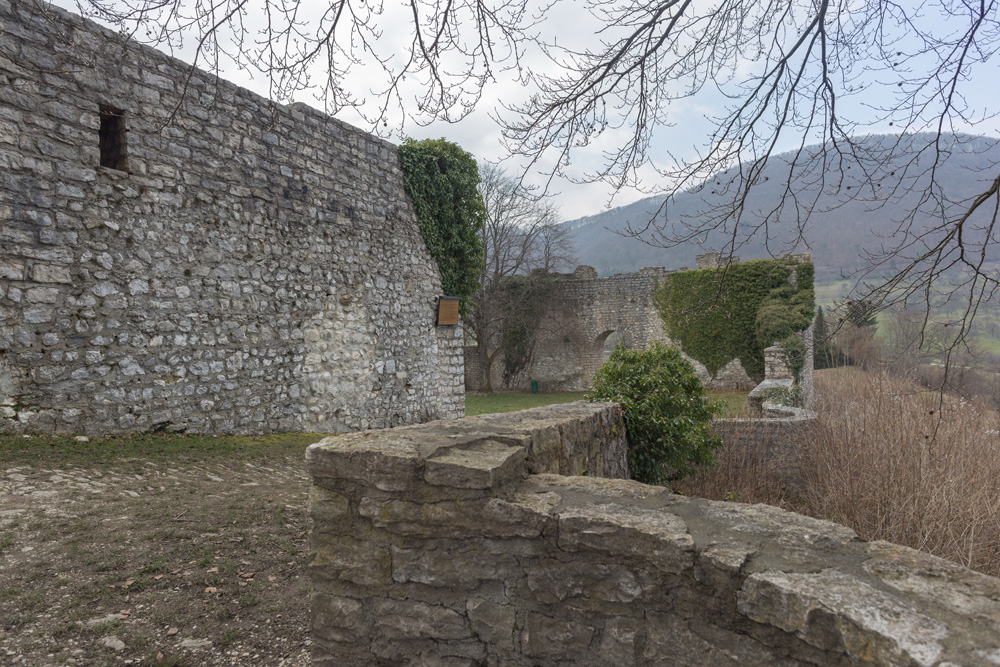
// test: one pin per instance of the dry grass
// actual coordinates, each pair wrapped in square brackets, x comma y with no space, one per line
[738,476]
[892,462]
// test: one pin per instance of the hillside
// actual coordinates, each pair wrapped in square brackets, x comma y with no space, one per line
[839,228]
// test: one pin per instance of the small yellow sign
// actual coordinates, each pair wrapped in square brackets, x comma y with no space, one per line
[447,314]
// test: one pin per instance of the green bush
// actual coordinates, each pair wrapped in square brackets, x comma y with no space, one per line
[667,413]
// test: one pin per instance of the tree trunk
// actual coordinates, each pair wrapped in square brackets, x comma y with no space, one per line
[485,364]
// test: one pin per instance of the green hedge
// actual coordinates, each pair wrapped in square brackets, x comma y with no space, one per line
[717,315]
[443,181]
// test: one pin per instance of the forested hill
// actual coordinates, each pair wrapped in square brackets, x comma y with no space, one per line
[838,229]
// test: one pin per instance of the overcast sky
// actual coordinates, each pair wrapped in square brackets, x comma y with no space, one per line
[479,134]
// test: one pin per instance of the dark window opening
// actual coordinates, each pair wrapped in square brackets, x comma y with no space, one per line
[111,137]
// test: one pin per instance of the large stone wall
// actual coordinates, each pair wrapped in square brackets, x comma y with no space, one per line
[455,543]
[249,267]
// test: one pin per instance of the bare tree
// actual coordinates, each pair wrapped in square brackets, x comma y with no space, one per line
[779,72]
[522,245]
[800,71]
[453,50]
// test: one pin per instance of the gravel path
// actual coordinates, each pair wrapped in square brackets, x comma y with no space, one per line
[137,563]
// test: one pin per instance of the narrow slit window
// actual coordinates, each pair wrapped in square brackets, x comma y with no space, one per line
[112,139]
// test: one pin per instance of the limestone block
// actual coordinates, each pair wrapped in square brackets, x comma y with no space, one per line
[834,611]
[555,639]
[937,582]
[413,619]
[365,459]
[658,537]
[330,511]
[347,558]
[556,581]
[623,489]
[453,569]
[491,517]
[482,465]
[494,623]
[11,269]
[618,641]
[672,640]
[339,619]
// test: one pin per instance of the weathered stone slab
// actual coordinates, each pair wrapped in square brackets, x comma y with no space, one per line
[834,611]
[657,537]
[338,619]
[555,639]
[347,558]
[483,465]
[411,619]
[491,517]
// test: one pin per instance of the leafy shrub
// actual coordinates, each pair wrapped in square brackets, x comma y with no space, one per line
[667,412]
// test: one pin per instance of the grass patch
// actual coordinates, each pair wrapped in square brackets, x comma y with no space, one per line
[736,402]
[153,447]
[483,404]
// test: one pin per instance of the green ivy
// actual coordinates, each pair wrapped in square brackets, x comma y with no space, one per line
[795,352]
[442,181]
[717,315]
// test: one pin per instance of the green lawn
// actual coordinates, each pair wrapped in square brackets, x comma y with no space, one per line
[55,450]
[736,402]
[478,404]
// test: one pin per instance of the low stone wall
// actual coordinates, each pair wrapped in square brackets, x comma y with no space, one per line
[773,443]
[453,544]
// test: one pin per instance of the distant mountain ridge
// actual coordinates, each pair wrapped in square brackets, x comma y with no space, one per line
[839,228]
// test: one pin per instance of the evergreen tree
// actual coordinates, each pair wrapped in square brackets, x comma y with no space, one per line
[821,346]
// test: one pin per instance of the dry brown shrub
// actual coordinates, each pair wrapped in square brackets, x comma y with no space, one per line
[740,475]
[898,463]
[890,460]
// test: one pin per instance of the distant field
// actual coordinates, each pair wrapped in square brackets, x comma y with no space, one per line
[477,404]
[985,335]
[828,293]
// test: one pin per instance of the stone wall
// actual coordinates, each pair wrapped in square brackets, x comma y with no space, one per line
[772,443]
[455,543]
[580,317]
[240,266]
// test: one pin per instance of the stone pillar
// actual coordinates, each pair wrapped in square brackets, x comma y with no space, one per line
[776,365]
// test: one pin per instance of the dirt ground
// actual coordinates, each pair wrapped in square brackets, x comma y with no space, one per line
[154,562]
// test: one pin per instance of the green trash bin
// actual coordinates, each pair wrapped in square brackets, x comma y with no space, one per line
[534,386]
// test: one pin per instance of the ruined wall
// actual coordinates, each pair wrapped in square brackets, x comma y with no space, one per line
[240,267]
[582,315]
[773,442]
[452,543]
[583,312]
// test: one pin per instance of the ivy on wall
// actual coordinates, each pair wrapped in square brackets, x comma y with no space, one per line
[717,315]
[442,181]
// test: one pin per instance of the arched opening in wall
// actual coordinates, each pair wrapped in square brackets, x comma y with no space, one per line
[608,346]
[600,350]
